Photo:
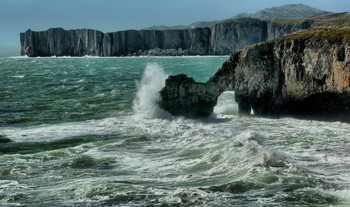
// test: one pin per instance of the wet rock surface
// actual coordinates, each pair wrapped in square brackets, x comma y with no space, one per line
[183,96]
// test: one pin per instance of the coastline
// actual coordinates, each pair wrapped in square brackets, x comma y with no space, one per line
[120,57]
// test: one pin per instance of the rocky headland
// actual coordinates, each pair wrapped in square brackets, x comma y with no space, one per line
[220,39]
[305,74]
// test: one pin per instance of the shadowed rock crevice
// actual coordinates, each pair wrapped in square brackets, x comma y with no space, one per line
[304,75]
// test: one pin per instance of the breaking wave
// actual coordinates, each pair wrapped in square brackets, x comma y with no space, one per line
[147,95]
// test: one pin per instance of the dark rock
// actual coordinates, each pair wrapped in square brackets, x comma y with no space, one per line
[4,139]
[305,75]
[220,39]
[183,96]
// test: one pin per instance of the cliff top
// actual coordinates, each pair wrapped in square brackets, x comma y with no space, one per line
[329,19]
[333,33]
[337,18]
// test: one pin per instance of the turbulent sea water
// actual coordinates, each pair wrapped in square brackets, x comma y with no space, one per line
[88,132]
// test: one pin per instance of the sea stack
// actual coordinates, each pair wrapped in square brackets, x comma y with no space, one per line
[304,74]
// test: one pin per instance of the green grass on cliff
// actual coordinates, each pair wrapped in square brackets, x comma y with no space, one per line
[332,19]
[333,33]
[329,19]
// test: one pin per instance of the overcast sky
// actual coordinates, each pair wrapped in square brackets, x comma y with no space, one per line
[113,15]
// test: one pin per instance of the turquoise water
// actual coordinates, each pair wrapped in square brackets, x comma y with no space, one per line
[87,132]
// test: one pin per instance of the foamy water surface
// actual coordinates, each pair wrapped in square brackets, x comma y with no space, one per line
[87,132]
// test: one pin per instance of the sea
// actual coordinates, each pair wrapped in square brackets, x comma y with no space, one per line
[86,131]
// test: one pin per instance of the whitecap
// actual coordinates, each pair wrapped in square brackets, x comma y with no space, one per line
[18,76]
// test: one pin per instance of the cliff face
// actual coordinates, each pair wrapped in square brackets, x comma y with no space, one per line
[304,75]
[279,27]
[221,39]
[232,35]
[60,42]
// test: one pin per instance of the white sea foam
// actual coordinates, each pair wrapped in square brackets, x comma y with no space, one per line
[226,104]
[145,101]
[18,76]
[19,57]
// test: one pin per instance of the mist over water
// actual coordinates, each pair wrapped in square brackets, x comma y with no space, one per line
[88,132]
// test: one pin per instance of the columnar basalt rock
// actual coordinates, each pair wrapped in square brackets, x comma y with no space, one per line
[60,42]
[305,75]
[221,39]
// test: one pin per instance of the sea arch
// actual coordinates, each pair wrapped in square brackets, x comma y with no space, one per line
[183,96]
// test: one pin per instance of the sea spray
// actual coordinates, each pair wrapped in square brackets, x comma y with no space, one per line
[152,81]
[226,104]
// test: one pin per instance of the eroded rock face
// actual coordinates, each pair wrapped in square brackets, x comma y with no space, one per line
[183,96]
[60,42]
[305,75]
[221,39]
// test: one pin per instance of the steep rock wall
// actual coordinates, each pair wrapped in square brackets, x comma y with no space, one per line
[60,42]
[280,27]
[221,39]
[230,36]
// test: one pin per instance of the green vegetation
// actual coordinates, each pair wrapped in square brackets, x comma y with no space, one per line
[338,18]
[324,20]
[333,33]
[286,11]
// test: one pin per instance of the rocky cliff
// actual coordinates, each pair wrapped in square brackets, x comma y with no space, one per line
[304,74]
[220,39]
[60,42]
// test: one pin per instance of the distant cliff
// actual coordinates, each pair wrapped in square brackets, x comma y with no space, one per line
[220,39]
[305,74]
